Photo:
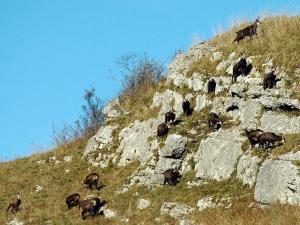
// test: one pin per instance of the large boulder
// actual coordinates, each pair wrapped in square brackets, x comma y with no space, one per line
[218,155]
[278,181]
[280,123]
[250,116]
[112,109]
[247,169]
[175,147]
[134,144]
[100,140]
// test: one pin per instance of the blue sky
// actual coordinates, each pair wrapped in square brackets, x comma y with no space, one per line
[51,51]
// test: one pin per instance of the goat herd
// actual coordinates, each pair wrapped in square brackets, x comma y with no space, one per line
[92,205]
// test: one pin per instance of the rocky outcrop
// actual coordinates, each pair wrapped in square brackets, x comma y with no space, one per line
[134,144]
[175,210]
[218,155]
[15,222]
[278,181]
[279,123]
[143,204]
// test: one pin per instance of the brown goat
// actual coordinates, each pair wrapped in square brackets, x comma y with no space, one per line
[91,207]
[270,80]
[73,200]
[92,180]
[170,116]
[214,121]
[14,204]
[248,31]
[186,107]
[171,177]
[267,138]
[252,136]
[211,86]
[240,68]
[162,129]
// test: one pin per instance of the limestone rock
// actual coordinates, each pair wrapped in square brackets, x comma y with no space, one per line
[15,222]
[68,158]
[143,203]
[175,210]
[112,109]
[134,143]
[175,147]
[279,123]
[250,116]
[218,154]
[201,102]
[108,213]
[247,169]
[100,140]
[206,203]
[278,181]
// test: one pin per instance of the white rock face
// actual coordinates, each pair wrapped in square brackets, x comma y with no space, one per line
[250,116]
[247,169]
[134,143]
[165,100]
[201,102]
[143,204]
[175,210]
[278,181]
[279,123]
[100,140]
[218,154]
[15,222]
[206,203]
[68,158]
[108,213]
[112,109]
[175,147]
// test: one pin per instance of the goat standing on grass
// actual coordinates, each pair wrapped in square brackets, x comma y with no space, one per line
[162,129]
[91,206]
[211,85]
[73,200]
[171,177]
[253,135]
[267,138]
[170,116]
[186,107]
[92,180]
[247,31]
[14,205]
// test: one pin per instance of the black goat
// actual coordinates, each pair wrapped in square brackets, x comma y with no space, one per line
[253,135]
[214,121]
[162,129]
[14,205]
[270,80]
[186,107]
[240,68]
[92,180]
[267,138]
[170,116]
[248,31]
[211,86]
[73,200]
[91,206]
[171,177]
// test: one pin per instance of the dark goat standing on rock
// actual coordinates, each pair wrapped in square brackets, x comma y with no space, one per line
[73,200]
[171,177]
[162,129]
[14,205]
[247,31]
[270,80]
[214,121]
[186,107]
[92,180]
[240,68]
[253,135]
[211,86]
[267,138]
[91,206]
[170,116]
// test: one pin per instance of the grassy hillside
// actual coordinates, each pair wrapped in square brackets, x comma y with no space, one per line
[279,38]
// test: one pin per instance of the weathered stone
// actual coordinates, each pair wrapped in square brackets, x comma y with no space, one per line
[68,158]
[143,204]
[250,115]
[247,169]
[201,102]
[112,109]
[38,188]
[206,203]
[134,143]
[175,210]
[108,213]
[218,154]
[100,140]
[166,99]
[279,123]
[175,147]
[278,181]
[196,82]
[216,56]
[15,222]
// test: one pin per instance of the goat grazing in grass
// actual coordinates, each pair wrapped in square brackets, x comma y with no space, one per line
[73,200]
[171,177]
[266,139]
[14,204]
[248,31]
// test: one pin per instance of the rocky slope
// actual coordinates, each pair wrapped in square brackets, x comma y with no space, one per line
[219,168]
